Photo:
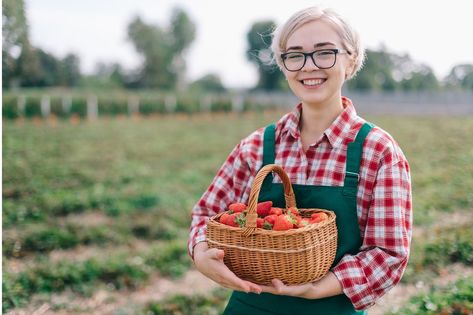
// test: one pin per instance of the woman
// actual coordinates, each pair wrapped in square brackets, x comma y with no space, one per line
[335,160]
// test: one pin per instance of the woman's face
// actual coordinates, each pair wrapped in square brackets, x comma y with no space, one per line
[314,86]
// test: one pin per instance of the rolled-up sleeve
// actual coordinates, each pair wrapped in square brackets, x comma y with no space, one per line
[384,253]
[231,184]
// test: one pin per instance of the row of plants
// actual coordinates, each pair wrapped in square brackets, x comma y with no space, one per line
[442,248]
[43,238]
[122,270]
[16,106]
[42,205]
[198,304]
[454,299]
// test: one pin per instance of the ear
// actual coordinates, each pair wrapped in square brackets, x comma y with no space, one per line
[349,68]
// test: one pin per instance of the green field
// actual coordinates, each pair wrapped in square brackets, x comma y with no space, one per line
[104,206]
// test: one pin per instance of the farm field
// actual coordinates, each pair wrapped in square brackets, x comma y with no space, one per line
[96,213]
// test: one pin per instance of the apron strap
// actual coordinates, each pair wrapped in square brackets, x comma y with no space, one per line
[269,141]
[354,153]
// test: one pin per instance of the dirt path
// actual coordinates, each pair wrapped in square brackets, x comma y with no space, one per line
[124,302]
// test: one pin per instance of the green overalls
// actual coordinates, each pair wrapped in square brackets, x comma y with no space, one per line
[341,200]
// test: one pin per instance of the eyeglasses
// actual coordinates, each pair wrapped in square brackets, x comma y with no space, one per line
[323,59]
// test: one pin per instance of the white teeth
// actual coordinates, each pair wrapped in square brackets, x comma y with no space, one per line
[313,81]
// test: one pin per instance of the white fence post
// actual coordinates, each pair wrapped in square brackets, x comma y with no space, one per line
[92,107]
[45,106]
[133,105]
[66,104]
[206,103]
[237,103]
[21,103]
[170,103]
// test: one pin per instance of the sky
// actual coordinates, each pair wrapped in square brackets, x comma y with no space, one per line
[432,32]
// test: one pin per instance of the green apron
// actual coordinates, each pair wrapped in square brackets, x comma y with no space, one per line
[341,200]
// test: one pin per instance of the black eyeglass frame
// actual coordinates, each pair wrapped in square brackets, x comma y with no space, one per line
[336,51]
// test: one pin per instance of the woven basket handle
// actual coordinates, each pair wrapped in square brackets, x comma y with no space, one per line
[255,190]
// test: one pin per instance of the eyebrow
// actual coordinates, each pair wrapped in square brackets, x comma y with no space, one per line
[315,46]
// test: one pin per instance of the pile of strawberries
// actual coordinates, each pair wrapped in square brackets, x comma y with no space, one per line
[269,217]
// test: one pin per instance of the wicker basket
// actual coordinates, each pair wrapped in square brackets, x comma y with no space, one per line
[294,256]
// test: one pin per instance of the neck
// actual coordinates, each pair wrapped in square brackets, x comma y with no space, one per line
[315,119]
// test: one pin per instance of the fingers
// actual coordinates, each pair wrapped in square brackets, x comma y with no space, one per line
[254,287]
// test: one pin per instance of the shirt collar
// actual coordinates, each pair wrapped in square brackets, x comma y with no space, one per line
[339,132]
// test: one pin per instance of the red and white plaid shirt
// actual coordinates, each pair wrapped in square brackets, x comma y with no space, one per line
[383,200]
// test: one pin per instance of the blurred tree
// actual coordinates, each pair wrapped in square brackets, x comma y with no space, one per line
[106,75]
[19,58]
[208,83]
[377,72]
[259,52]
[386,71]
[162,50]
[461,76]
[70,70]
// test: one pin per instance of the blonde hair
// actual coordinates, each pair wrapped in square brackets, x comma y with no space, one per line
[349,36]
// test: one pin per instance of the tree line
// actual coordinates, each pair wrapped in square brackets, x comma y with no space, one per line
[163,50]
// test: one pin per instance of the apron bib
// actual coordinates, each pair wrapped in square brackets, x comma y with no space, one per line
[341,200]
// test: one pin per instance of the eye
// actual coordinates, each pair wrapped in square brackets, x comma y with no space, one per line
[294,56]
[323,53]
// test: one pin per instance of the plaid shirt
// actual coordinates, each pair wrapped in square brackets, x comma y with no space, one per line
[383,200]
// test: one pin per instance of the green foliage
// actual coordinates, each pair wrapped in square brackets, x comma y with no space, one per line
[452,245]
[190,305]
[162,50]
[455,299]
[122,270]
[259,42]
[387,71]
[208,83]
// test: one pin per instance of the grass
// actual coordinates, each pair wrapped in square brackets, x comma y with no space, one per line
[145,175]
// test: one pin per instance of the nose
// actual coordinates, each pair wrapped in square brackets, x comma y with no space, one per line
[309,64]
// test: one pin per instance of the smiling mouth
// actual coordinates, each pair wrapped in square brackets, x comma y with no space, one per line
[313,82]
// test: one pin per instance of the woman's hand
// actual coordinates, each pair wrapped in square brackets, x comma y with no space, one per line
[210,263]
[304,290]
[325,287]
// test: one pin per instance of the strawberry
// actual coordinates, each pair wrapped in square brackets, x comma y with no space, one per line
[237,207]
[276,211]
[293,210]
[270,219]
[259,223]
[224,218]
[284,222]
[303,222]
[262,208]
[231,220]
[318,217]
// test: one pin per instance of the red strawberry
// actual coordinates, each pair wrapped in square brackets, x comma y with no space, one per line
[276,211]
[283,222]
[259,223]
[270,218]
[293,210]
[318,217]
[237,207]
[303,222]
[231,220]
[224,218]
[262,208]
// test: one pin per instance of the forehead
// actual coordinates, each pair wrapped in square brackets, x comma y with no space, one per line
[312,33]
